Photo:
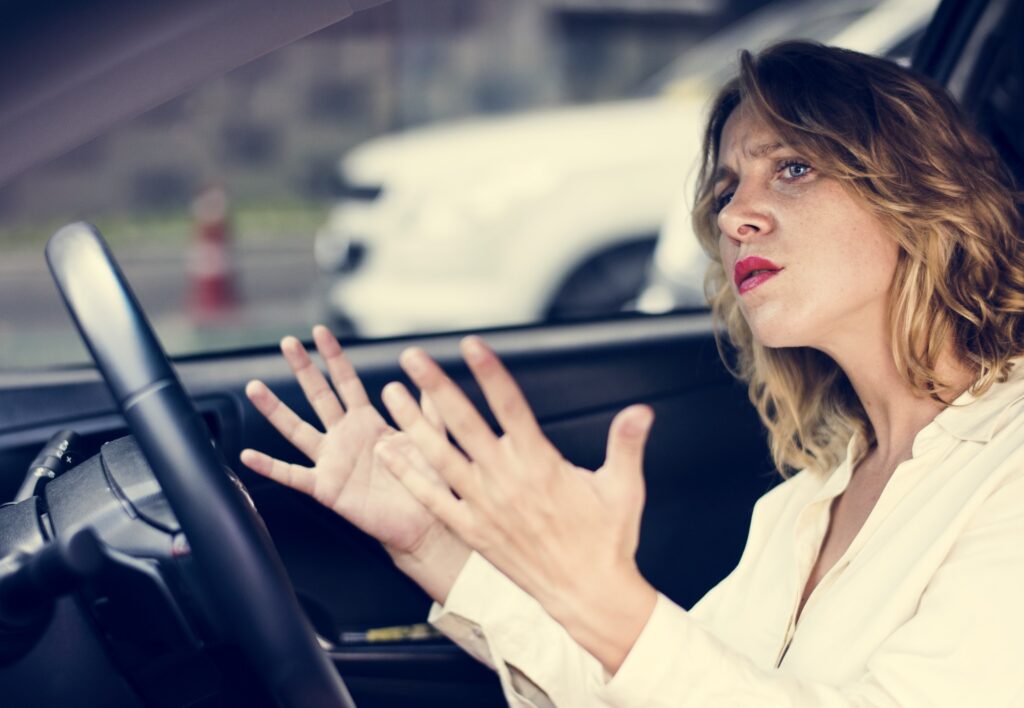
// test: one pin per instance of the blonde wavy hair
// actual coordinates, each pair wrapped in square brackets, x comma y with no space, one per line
[899,144]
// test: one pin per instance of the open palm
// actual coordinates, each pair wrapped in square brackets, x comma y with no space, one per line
[345,476]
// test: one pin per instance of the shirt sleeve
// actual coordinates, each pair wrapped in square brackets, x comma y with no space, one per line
[964,645]
[539,664]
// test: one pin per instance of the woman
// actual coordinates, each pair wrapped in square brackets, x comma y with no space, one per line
[867,269]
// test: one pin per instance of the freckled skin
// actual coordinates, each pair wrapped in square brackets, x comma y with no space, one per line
[837,257]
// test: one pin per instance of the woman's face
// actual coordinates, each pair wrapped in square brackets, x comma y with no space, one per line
[810,265]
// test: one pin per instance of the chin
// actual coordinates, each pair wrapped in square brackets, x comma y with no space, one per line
[776,341]
[776,332]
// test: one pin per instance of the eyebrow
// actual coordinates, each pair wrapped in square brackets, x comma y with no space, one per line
[758,151]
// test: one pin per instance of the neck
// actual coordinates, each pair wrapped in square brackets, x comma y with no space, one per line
[896,410]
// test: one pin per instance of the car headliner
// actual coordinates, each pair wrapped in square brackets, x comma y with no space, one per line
[73,68]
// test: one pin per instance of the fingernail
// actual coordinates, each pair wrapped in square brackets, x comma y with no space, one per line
[414,361]
[392,393]
[638,421]
[473,350]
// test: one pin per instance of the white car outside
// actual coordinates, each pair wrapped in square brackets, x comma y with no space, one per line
[549,213]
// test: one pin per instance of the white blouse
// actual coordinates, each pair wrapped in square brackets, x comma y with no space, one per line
[925,608]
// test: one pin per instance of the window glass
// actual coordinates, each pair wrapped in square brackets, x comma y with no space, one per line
[427,165]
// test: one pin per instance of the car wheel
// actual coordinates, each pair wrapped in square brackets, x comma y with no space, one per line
[604,284]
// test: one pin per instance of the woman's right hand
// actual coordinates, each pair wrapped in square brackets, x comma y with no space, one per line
[346,476]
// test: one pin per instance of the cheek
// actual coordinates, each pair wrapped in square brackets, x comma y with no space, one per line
[855,249]
[727,252]
[887,261]
[872,260]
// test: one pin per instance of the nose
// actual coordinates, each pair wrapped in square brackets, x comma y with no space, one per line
[747,214]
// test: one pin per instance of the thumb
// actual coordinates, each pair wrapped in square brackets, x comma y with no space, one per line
[431,413]
[627,438]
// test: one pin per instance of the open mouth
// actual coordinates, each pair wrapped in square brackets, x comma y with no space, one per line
[755,279]
[751,271]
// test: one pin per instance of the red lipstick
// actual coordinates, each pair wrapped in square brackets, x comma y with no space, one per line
[751,271]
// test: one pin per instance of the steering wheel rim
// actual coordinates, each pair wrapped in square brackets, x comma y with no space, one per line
[240,568]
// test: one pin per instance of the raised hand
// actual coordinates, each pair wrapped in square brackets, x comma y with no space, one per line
[345,475]
[566,535]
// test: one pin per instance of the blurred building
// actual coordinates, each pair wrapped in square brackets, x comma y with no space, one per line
[274,130]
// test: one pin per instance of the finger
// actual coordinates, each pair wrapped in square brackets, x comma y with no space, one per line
[431,413]
[626,439]
[504,396]
[418,459]
[294,429]
[439,453]
[288,474]
[460,416]
[318,392]
[405,446]
[343,374]
[435,497]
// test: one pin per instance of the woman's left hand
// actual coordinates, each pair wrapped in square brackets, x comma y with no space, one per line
[566,535]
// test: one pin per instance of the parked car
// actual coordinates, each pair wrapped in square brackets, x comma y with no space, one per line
[547,214]
[139,615]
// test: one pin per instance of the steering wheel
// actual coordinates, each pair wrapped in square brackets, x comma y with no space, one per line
[240,569]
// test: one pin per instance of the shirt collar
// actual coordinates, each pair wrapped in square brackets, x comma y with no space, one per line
[838,479]
[969,417]
[978,419]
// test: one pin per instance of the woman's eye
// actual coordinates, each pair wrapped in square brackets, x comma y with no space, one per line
[795,170]
[721,200]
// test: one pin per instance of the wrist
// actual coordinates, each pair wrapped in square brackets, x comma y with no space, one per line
[434,562]
[606,617]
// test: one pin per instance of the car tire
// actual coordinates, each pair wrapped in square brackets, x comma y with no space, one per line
[604,284]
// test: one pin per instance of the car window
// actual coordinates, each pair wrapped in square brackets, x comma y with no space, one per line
[712,60]
[425,166]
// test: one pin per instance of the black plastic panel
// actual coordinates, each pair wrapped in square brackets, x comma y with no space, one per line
[19,527]
[132,480]
[67,667]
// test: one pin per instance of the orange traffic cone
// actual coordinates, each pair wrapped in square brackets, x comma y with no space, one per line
[212,293]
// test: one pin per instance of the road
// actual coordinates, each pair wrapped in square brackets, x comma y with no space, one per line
[274,285]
